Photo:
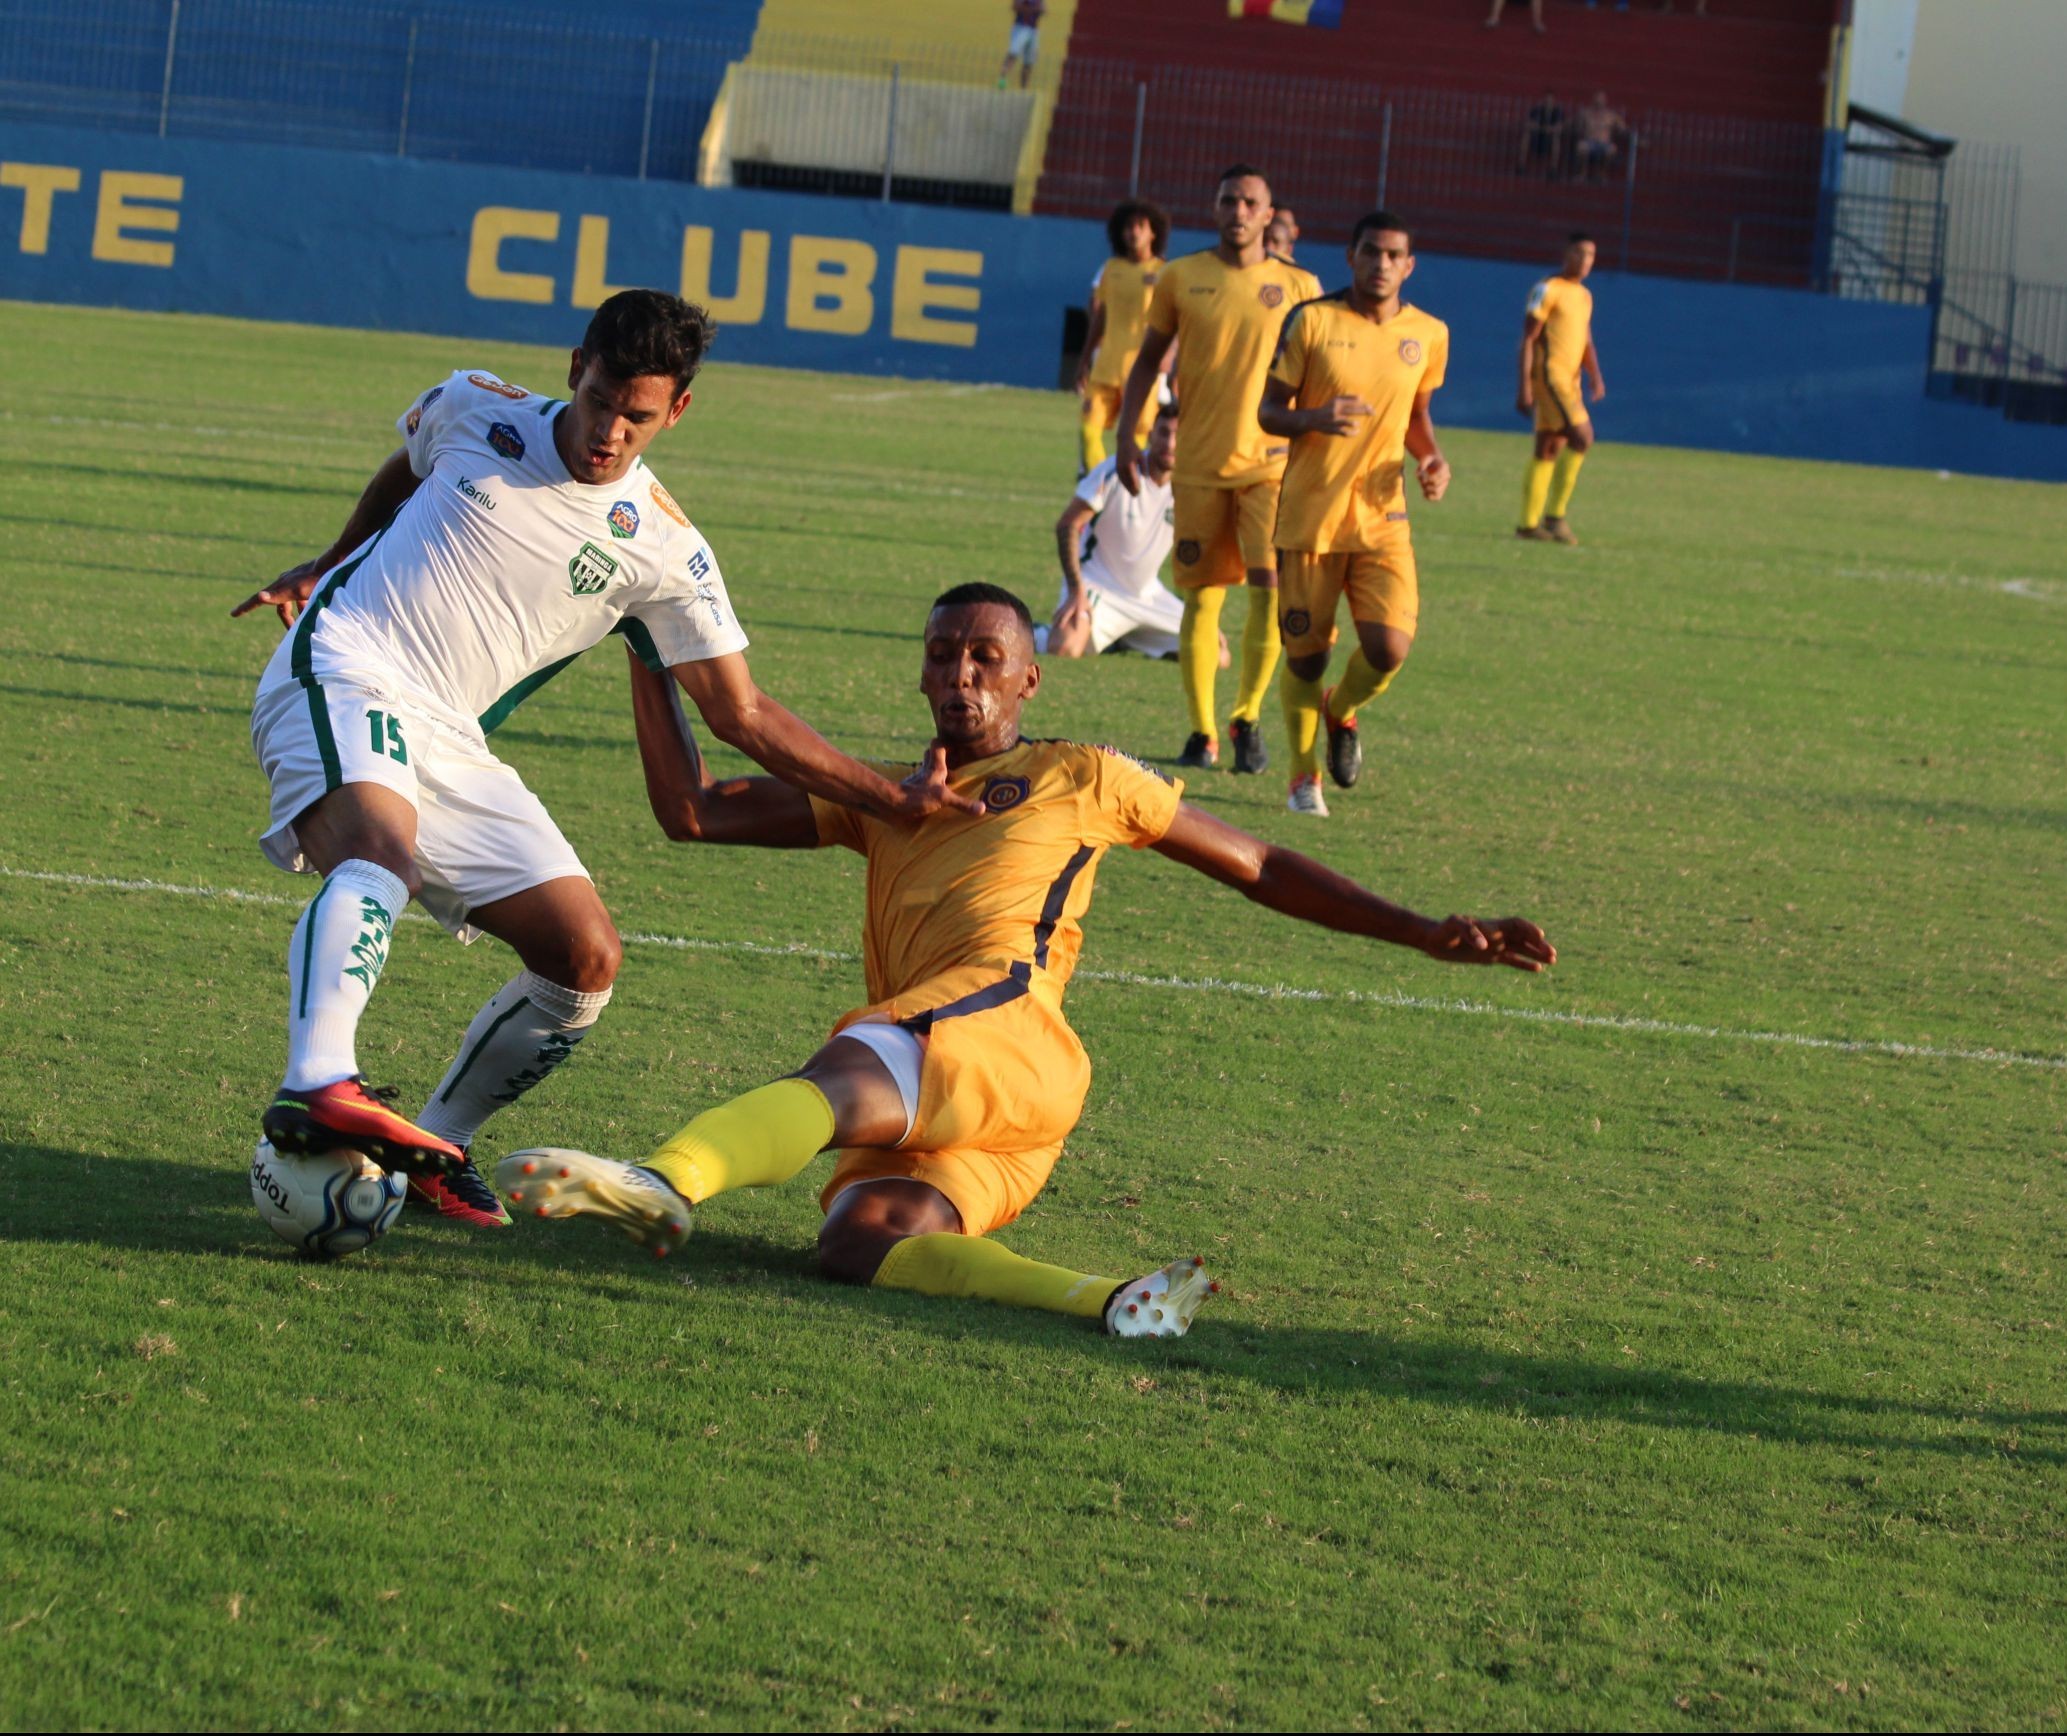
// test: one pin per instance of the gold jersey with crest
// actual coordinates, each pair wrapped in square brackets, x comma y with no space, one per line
[1006,890]
[1226,320]
[1124,290]
[1341,491]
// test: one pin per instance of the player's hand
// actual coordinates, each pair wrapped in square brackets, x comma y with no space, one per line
[1510,941]
[286,594]
[1525,401]
[926,791]
[1435,478]
[1599,388]
[1127,464]
[1337,416]
[1069,634]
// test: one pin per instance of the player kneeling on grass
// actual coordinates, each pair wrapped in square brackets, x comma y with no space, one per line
[948,1096]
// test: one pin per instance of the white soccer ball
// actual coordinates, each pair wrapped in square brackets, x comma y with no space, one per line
[327,1205]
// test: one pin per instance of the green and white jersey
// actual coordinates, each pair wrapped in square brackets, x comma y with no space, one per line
[1128,536]
[501,568]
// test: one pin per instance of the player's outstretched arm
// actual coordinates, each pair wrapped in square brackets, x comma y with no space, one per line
[1141,386]
[1275,414]
[392,484]
[775,738]
[1296,885]
[689,804]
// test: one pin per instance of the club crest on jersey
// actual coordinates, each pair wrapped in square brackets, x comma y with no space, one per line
[1001,795]
[624,519]
[1271,295]
[501,388]
[506,440]
[1410,350]
[666,502]
[591,570]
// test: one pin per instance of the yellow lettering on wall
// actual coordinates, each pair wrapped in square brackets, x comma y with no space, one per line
[915,295]
[119,213]
[829,283]
[592,264]
[493,225]
[749,297]
[40,184]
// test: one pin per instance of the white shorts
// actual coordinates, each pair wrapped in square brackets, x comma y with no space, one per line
[1147,624]
[480,834]
[1021,47]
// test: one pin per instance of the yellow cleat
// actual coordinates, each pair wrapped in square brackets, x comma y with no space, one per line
[553,1182]
[1162,1304]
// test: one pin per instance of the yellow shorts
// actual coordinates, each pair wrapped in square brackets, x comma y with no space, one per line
[1382,585]
[1002,1085]
[1102,411]
[1222,532]
[1559,404]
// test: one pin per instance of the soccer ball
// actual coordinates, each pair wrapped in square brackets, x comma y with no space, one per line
[329,1204]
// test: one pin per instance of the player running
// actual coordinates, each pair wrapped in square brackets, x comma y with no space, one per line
[1223,309]
[949,1095]
[1112,544]
[1350,390]
[1138,231]
[1557,343]
[509,534]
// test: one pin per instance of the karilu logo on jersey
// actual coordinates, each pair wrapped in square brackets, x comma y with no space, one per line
[591,570]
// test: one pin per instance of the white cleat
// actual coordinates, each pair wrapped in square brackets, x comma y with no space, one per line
[550,1181]
[1162,1304]
[1306,798]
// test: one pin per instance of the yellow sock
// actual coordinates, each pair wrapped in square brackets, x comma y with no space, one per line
[1091,433]
[1198,653]
[1563,480]
[1302,703]
[1260,645]
[1535,485]
[945,1264]
[1360,684]
[753,1141]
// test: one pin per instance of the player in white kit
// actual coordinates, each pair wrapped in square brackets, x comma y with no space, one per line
[1112,544]
[510,533]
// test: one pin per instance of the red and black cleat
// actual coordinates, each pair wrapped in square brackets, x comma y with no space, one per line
[463,1196]
[353,1113]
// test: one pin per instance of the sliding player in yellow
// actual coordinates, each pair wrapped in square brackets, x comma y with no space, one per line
[1223,309]
[1557,344]
[1138,231]
[949,1095]
[1350,390]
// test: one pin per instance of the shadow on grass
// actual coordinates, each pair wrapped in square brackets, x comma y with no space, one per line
[71,1197]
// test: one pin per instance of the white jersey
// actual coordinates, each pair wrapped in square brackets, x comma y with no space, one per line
[1129,535]
[501,568]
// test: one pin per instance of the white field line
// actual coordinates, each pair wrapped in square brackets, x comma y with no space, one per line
[1192,985]
[2036,589]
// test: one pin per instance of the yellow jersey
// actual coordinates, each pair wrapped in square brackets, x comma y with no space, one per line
[1124,289]
[1566,310]
[1226,321]
[1006,890]
[1341,490]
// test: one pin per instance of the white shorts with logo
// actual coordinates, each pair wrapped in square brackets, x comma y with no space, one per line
[480,834]
[1147,624]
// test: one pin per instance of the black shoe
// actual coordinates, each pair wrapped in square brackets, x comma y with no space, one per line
[1201,752]
[1250,755]
[1345,751]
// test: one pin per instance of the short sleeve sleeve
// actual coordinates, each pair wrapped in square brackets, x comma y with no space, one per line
[687,617]
[1538,304]
[1312,290]
[837,826]
[1162,306]
[1135,805]
[424,425]
[1097,484]
[1288,366]
[1438,359]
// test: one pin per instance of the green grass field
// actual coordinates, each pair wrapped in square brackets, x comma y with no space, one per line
[1593,1351]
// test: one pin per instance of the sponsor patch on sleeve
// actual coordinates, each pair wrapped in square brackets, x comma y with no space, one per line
[666,502]
[501,388]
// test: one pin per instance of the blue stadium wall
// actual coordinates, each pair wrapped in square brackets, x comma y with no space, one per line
[334,238]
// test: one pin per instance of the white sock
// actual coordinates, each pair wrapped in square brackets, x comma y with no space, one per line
[528,1027]
[333,961]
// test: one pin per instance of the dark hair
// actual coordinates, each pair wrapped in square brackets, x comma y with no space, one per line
[1379,220]
[647,331]
[1241,171]
[1579,235]
[976,591]
[1128,211]
[1166,412]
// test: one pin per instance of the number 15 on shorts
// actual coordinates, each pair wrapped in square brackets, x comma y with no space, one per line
[386,730]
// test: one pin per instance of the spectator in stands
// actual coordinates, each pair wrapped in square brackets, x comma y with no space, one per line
[1543,137]
[1535,15]
[1026,23]
[1282,235]
[1600,132]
